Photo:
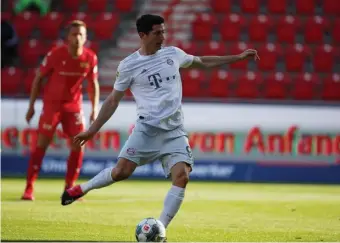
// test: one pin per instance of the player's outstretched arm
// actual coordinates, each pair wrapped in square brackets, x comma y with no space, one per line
[108,108]
[215,61]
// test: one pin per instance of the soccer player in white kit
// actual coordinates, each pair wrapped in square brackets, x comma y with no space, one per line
[152,74]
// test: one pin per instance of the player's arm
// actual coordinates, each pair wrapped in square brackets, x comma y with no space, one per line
[93,92]
[36,87]
[107,110]
[45,68]
[93,89]
[215,61]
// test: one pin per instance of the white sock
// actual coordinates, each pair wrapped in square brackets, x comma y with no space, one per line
[102,179]
[172,203]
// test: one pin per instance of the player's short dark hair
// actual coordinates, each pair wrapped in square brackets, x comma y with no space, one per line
[75,23]
[145,23]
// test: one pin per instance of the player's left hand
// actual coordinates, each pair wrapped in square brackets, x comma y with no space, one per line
[250,53]
[93,116]
[82,138]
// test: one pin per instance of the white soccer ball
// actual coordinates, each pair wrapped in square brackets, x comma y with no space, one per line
[150,230]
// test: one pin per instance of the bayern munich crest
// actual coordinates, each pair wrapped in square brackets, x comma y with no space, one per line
[169,61]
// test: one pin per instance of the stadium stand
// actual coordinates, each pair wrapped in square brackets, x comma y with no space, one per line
[298,42]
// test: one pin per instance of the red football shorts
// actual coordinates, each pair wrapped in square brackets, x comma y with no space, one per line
[72,122]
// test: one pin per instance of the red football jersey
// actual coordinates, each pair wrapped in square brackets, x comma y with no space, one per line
[66,75]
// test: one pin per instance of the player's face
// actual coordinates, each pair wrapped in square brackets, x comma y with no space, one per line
[77,36]
[156,37]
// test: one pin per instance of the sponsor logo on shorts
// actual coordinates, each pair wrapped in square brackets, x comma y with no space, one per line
[47,126]
[79,118]
[131,151]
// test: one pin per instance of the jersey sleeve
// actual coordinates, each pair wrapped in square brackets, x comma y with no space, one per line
[185,60]
[123,78]
[93,73]
[47,64]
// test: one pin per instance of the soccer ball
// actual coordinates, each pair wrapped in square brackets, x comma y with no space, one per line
[150,230]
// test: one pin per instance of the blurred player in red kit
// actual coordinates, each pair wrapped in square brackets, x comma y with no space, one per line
[66,67]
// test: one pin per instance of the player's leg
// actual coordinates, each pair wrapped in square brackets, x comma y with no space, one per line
[135,152]
[73,123]
[123,170]
[47,125]
[178,165]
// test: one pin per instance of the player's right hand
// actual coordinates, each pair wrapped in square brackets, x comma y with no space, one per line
[82,138]
[29,114]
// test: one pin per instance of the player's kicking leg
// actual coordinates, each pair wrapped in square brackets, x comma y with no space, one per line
[173,200]
[106,177]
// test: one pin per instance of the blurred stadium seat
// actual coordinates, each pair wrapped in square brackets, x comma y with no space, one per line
[305,86]
[11,80]
[331,87]
[286,28]
[231,27]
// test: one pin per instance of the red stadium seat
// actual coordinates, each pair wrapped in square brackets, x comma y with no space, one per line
[87,18]
[295,57]
[124,5]
[247,85]
[11,80]
[304,86]
[192,80]
[286,28]
[336,31]
[6,16]
[24,23]
[53,44]
[305,7]
[214,48]
[231,27]
[202,26]
[96,6]
[276,86]
[315,28]
[220,82]
[238,48]
[105,25]
[331,7]
[323,58]
[71,5]
[250,6]
[93,45]
[259,27]
[277,6]
[221,6]
[269,56]
[50,24]
[189,47]
[28,80]
[331,87]
[30,51]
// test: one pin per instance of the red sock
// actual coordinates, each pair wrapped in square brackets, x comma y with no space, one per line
[74,163]
[34,166]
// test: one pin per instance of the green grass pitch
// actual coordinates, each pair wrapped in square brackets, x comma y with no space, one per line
[211,212]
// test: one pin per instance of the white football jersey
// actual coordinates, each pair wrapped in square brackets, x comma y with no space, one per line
[156,85]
